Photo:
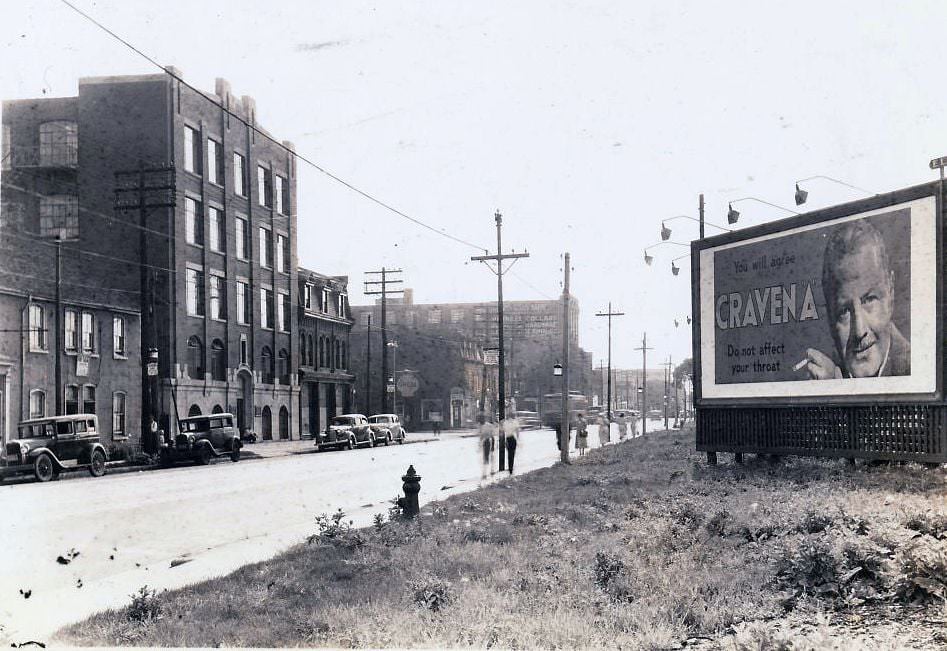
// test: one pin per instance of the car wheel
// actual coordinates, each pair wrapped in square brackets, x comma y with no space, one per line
[97,464]
[43,468]
[203,457]
[351,443]
[235,452]
[388,440]
[372,441]
[401,440]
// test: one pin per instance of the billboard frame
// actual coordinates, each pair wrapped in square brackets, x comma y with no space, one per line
[877,426]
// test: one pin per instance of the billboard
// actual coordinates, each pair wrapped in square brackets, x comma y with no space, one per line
[843,307]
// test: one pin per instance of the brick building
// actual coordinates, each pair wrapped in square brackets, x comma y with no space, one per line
[218,289]
[325,381]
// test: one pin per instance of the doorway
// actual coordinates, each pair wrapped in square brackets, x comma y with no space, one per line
[244,402]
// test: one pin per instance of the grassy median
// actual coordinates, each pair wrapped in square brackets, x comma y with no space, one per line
[638,545]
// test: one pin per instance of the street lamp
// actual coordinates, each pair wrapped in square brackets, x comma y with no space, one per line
[733,215]
[394,371]
[802,195]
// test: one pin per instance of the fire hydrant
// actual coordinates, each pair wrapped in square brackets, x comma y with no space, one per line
[412,486]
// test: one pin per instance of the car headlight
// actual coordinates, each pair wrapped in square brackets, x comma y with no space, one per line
[190,438]
[24,448]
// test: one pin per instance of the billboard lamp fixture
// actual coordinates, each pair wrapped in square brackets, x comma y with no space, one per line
[802,195]
[666,232]
[733,215]
[648,259]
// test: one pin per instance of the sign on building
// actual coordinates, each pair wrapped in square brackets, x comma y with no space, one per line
[82,365]
[491,356]
[408,384]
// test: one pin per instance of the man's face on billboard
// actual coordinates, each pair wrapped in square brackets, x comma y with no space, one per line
[861,310]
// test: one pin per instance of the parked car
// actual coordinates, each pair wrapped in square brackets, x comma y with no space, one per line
[528,420]
[47,446]
[387,428]
[202,438]
[346,431]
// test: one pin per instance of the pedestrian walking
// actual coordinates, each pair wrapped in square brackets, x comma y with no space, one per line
[622,426]
[485,434]
[437,428]
[604,430]
[581,434]
[511,432]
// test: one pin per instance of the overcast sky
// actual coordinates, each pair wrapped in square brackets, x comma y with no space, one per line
[585,124]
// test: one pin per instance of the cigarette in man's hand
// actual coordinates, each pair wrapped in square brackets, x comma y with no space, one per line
[798,367]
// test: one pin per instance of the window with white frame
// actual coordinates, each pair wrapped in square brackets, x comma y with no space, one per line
[195,291]
[71,329]
[72,399]
[266,307]
[193,222]
[88,399]
[341,305]
[59,216]
[278,193]
[264,186]
[215,162]
[242,230]
[239,174]
[307,296]
[88,333]
[266,248]
[216,231]
[218,297]
[285,313]
[37,403]
[37,327]
[244,349]
[282,253]
[325,300]
[118,336]
[192,150]
[243,302]
[118,414]
[59,143]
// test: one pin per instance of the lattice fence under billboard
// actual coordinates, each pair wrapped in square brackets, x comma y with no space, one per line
[900,432]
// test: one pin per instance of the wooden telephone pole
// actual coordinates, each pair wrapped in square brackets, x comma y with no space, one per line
[609,314]
[644,383]
[565,422]
[499,257]
[383,291]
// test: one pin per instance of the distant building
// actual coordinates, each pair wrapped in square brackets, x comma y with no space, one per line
[325,380]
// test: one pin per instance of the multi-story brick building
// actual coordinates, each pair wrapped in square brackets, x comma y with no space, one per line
[325,380]
[219,260]
[74,345]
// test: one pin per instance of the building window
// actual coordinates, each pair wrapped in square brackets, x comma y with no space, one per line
[283,368]
[218,361]
[307,296]
[393,318]
[37,403]
[344,361]
[37,327]
[311,352]
[72,399]
[264,186]
[118,336]
[266,248]
[456,316]
[218,297]
[266,365]
[195,292]
[59,216]
[266,418]
[71,330]
[283,422]
[322,351]
[88,399]
[243,303]
[434,316]
[88,332]
[286,207]
[338,354]
[325,300]
[278,193]
[244,355]
[118,414]
[284,313]
[239,174]
[266,307]
[217,233]
[59,143]
[243,238]
[193,222]
[282,253]
[192,150]
[478,315]
[195,358]
[341,305]
[302,349]
[215,162]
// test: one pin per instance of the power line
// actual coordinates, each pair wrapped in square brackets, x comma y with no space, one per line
[313,164]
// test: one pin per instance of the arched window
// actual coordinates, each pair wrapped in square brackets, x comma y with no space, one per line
[37,403]
[311,351]
[194,410]
[217,410]
[195,358]
[267,424]
[322,351]
[302,349]
[338,354]
[283,422]
[342,365]
[266,365]
[283,367]
[218,360]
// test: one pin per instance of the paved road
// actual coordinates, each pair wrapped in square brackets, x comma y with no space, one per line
[129,528]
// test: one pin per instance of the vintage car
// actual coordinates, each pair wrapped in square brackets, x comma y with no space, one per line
[528,420]
[346,431]
[47,446]
[201,439]
[387,428]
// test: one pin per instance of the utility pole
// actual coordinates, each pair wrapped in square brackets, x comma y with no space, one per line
[145,189]
[564,422]
[609,314]
[644,383]
[368,367]
[499,258]
[667,387]
[700,212]
[59,403]
[383,292]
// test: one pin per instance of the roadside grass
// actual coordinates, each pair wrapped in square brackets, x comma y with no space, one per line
[638,545]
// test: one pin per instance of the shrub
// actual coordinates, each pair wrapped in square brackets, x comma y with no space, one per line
[146,606]
[926,523]
[687,515]
[813,522]
[494,533]
[334,530]
[608,566]
[431,593]
[923,571]
[812,566]
[717,524]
